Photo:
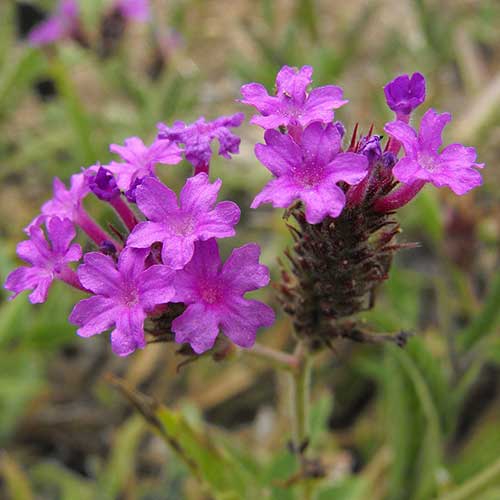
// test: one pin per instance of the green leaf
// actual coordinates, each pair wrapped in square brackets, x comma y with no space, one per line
[219,470]
[122,461]
[16,481]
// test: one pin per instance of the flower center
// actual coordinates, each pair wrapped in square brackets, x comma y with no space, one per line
[211,293]
[130,297]
[309,174]
[182,224]
[427,161]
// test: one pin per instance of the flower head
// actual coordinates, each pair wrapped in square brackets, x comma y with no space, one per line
[62,24]
[124,294]
[454,166]
[292,105]
[178,225]
[139,160]
[213,293]
[136,10]
[198,136]
[67,203]
[404,94]
[309,171]
[49,259]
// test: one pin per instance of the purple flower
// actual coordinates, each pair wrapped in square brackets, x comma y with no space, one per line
[139,160]
[124,294]
[197,137]
[214,293]
[136,10]
[454,166]
[404,94]
[178,226]
[49,261]
[309,171]
[292,105]
[67,203]
[62,24]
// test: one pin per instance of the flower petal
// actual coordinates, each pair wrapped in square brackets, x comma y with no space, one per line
[348,167]
[155,286]
[320,104]
[219,222]
[242,271]
[98,274]
[155,200]
[320,144]
[95,315]
[242,318]
[325,199]
[280,192]
[177,251]
[146,233]
[280,154]
[431,130]
[61,233]
[129,333]
[199,195]
[405,135]
[197,326]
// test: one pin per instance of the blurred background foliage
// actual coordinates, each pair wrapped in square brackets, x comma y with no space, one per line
[417,423]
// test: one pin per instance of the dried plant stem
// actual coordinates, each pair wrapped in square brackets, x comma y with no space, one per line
[278,359]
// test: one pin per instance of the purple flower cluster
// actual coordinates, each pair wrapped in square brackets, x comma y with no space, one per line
[303,149]
[165,251]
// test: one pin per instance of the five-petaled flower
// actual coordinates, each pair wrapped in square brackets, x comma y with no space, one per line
[310,171]
[49,259]
[124,294]
[178,226]
[139,160]
[213,293]
[198,136]
[292,105]
[64,23]
[454,166]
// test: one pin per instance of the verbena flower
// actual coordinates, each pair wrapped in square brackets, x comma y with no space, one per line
[292,105]
[62,24]
[178,225]
[197,137]
[454,166]
[213,293]
[140,160]
[310,171]
[67,204]
[404,94]
[103,184]
[49,259]
[124,294]
[136,10]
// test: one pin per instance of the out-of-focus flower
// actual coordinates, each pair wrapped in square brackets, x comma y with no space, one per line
[124,294]
[136,10]
[64,23]
[49,260]
[178,226]
[140,160]
[292,105]
[213,293]
[404,94]
[310,171]
[198,136]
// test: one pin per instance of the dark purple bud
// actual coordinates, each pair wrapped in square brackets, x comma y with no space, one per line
[404,94]
[103,185]
[370,147]
[388,160]
[340,127]
[107,248]
[130,194]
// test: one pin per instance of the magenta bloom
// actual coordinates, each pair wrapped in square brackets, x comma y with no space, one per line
[292,105]
[67,203]
[309,171]
[454,166]
[197,137]
[124,295]
[49,261]
[62,24]
[136,10]
[178,226]
[139,160]
[214,293]
[404,94]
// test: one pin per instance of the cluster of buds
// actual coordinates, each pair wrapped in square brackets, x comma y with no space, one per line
[158,271]
[343,200]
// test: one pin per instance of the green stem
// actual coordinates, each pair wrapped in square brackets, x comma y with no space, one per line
[278,359]
[301,382]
